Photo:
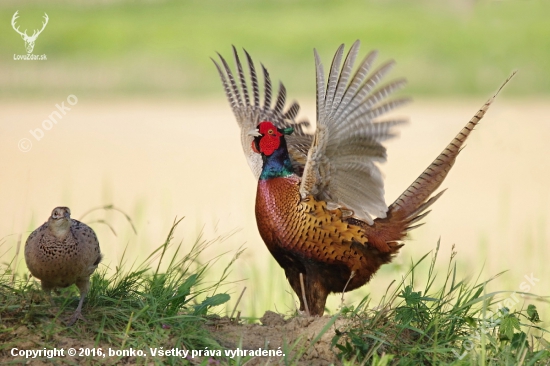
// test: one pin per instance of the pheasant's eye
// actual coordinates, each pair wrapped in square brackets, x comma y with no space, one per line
[270,132]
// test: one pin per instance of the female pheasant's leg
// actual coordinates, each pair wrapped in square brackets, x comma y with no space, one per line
[47,288]
[83,286]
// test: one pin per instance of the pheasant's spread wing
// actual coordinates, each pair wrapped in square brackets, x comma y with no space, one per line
[249,112]
[340,167]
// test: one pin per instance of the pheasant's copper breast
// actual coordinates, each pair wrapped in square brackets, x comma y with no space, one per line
[309,230]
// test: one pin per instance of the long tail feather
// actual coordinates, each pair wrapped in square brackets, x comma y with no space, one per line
[410,207]
[435,173]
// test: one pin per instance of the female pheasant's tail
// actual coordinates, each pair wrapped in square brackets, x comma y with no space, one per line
[410,207]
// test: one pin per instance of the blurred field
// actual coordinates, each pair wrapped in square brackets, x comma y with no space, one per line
[161,159]
[152,134]
[162,48]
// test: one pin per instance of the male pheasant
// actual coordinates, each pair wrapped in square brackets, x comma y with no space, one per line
[62,252]
[317,192]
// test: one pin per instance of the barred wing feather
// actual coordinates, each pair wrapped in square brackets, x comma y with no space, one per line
[340,166]
[244,99]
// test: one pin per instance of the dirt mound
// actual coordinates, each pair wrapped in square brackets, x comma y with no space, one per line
[293,337]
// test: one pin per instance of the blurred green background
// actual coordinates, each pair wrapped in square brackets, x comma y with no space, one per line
[155,47]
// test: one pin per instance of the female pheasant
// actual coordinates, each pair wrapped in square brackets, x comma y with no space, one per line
[317,192]
[62,252]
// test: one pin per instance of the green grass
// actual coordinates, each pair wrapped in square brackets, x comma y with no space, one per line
[128,307]
[166,302]
[454,323]
[163,47]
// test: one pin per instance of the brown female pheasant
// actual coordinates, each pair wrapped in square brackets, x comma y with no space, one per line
[316,192]
[62,252]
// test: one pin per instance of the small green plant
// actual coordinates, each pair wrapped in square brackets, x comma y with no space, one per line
[446,325]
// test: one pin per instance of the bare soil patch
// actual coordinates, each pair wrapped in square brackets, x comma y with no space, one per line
[275,332]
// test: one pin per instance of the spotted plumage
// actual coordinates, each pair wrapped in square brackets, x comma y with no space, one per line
[63,252]
[306,237]
[314,206]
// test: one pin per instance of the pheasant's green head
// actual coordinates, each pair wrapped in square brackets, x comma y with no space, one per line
[268,138]
[270,142]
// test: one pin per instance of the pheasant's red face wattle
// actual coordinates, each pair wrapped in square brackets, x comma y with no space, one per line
[270,140]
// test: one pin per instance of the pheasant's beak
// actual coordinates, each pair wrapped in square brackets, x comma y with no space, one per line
[255,132]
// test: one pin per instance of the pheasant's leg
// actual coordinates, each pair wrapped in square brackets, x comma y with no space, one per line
[48,291]
[316,293]
[293,276]
[304,298]
[83,285]
[294,281]
[346,286]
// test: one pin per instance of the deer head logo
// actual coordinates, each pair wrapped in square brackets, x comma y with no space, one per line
[29,40]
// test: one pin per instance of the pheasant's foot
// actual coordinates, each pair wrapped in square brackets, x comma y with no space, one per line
[77,315]
[305,321]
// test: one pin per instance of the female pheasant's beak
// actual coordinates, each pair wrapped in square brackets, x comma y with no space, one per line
[255,132]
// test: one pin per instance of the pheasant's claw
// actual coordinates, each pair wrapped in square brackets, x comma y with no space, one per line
[76,316]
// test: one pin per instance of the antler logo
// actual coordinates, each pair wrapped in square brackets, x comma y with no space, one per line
[29,40]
